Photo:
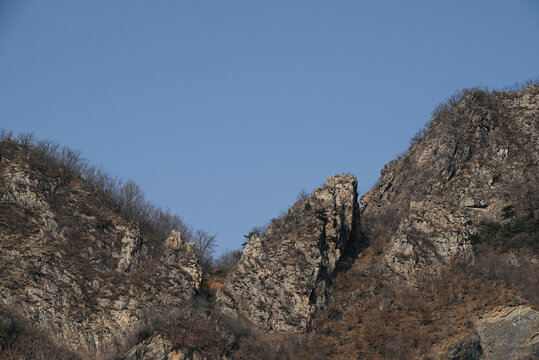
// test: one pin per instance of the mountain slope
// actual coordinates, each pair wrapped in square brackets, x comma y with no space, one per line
[453,236]
[284,274]
[77,269]
[474,160]
[440,261]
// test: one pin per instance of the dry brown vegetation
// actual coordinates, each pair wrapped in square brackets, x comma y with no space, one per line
[375,319]
[51,160]
[371,316]
[19,339]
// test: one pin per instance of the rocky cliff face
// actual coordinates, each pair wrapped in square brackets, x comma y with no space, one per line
[472,162]
[432,235]
[75,268]
[509,333]
[284,275]
[80,276]
[455,217]
[159,347]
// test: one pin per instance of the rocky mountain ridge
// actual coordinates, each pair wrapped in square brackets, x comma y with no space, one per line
[438,263]
[473,160]
[75,268]
[284,274]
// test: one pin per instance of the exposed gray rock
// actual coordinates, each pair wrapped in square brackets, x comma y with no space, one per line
[131,249]
[471,163]
[468,348]
[154,348]
[179,259]
[473,156]
[509,333]
[284,275]
[76,269]
[431,235]
[159,347]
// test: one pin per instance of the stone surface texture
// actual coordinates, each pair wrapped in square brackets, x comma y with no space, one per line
[75,268]
[160,348]
[284,275]
[509,333]
[468,165]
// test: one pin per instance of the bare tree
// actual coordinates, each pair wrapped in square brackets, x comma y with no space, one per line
[227,261]
[128,197]
[205,247]
[303,195]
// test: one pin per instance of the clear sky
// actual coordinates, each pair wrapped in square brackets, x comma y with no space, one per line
[224,110]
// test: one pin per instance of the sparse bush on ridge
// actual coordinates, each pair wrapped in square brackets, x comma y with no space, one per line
[302,195]
[519,86]
[420,134]
[227,261]
[126,196]
[204,248]
[256,231]
[452,101]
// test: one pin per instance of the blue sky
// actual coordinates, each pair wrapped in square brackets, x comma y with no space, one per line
[224,110]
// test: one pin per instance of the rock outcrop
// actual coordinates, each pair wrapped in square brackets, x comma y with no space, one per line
[471,164]
[468,348]
[284,275]
[81,279]
[509,333]
[432,234]
[76,269]
[160,348]
[505,332]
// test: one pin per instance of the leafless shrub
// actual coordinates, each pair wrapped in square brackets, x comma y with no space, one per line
[419,135]
[303,195]
[127,196]
[257,231]
[204,247]
[519,86]
[451,102]
[227,261]
[5,135]
[26,139]
[20,339]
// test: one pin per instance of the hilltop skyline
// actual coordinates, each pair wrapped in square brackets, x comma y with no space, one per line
[224,112]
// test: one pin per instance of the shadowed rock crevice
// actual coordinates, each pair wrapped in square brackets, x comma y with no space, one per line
[284,275]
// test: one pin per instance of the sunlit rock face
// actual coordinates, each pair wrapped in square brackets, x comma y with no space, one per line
[75,268]
[503,332]
[477,161]
[432,235]
[284,274]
